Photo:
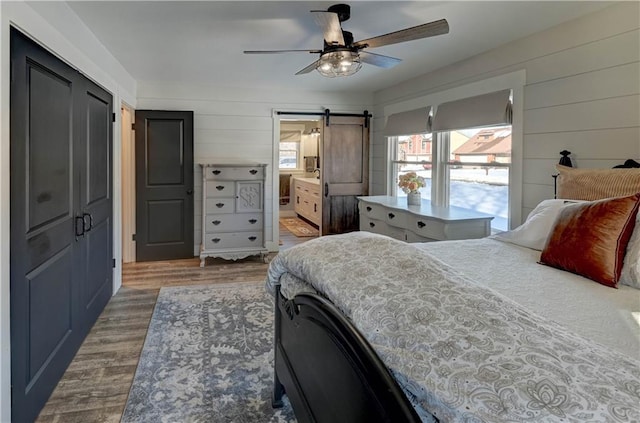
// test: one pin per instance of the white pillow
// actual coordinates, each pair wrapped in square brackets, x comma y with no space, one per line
[630,274]
[533,233]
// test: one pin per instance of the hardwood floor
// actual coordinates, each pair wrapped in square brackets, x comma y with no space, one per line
[95,386]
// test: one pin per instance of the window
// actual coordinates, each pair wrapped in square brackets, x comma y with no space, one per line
[477,171]
[289,155]
[466,159]
[290,149]
[476,165]
[410,159]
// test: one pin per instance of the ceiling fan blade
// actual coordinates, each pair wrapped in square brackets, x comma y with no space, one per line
[414,33]
[330,25]
[280,51]
[309,68]
[378,59]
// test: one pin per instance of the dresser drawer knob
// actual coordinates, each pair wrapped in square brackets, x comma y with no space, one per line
[216,222]
[219,205]
[253,171]
[216,172]
[391,215]
[220,187]
[421,224]
[252,238]
[371,224]
[368,208]
[215,240]
[252,221]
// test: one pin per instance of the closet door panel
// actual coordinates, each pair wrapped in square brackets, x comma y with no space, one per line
[49,149]
[98,148]
[96,200]
[44,266]
[50,308]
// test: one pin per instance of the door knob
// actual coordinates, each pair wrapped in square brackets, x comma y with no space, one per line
[189,191]
[79,223]
[84,222]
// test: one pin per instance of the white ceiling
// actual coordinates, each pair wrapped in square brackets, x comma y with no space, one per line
[203,41]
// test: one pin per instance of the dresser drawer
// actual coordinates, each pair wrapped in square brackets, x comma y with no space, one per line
[232,222]
[220,205]
[382,228]
[411,237]
[226,240]
[396,218]
[234,173]
[221,189]
[372,225]
[428,228]
[374,211]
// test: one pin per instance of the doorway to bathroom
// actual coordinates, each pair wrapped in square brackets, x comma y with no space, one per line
[300,205]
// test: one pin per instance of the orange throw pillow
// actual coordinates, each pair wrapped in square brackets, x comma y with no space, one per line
[590,239]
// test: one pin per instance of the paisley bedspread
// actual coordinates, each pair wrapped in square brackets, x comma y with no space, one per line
[459,350]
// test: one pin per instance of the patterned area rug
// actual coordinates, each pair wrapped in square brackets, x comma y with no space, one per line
[298,227]
[208,357]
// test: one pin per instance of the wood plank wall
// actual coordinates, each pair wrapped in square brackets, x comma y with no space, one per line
[582,93]
[236,124]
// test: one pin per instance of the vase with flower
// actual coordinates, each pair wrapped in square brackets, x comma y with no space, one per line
[410,183]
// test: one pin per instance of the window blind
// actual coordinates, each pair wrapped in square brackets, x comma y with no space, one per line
[484,110]
[408,123]
[290,136]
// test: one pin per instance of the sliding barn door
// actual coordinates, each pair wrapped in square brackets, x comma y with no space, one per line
[61,234]
[345,172]
[164,185]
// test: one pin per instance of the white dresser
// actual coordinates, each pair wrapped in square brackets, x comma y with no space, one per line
[392,217]
[233,218]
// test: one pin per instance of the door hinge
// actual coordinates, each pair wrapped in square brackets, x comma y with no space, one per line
[113,117]
[113,263]
[133,237]
[133,126]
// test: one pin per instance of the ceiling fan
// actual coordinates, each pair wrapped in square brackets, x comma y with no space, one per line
[341,56]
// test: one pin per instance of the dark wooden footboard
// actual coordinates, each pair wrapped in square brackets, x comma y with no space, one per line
[329,372]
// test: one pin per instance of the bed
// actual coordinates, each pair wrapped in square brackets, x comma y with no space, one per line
[373,329]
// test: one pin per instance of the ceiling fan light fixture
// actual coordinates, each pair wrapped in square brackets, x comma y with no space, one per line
[338,63]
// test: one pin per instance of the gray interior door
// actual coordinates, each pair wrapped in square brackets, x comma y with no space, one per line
[164,185]
[60,151]
[345,172]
